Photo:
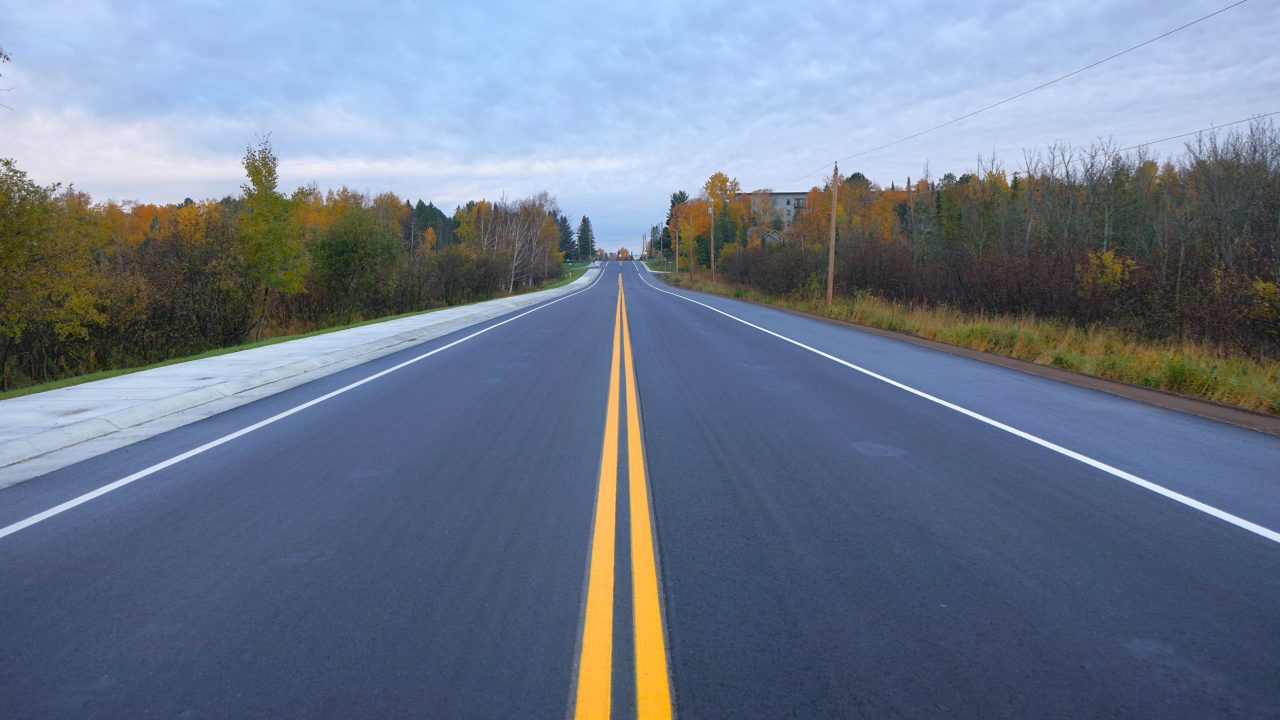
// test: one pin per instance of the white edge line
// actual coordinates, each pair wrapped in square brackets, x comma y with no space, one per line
[1190,502]
[92,494]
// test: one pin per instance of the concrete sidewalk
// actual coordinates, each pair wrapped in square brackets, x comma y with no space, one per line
[42,432]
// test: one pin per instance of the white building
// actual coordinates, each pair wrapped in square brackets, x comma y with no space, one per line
[787,204]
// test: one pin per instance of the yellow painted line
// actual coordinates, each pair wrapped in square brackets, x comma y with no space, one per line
[653,685]
[595,659]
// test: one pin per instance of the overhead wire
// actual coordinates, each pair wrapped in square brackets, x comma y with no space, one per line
[1197,132]
[1024,93]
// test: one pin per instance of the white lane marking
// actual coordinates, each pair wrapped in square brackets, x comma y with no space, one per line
[1190,502]
[59,509]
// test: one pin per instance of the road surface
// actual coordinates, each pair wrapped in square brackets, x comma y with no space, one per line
[633,500]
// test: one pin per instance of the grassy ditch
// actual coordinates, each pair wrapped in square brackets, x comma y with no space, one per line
[572,271]
[659,264]
[1186,368]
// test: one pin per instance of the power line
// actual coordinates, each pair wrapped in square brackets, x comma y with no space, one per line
[1197,132]
[1025,92]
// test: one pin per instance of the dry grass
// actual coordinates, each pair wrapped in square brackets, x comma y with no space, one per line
[1186,368]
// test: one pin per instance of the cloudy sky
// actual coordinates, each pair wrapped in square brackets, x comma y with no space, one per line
[608,106]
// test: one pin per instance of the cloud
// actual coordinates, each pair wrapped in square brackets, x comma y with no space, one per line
[152,160]
[609,107]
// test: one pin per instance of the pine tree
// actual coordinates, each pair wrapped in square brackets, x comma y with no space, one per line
[421,222]
[444,225]
[586,239]
[567,244]
[678,197]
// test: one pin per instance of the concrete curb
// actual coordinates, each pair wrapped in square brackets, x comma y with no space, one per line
[57,438]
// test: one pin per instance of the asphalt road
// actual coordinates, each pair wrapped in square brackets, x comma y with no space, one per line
[824,543]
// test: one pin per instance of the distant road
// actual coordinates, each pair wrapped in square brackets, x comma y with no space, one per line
[637,500]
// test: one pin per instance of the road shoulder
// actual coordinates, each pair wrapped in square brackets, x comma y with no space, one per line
[57,428]
[1219,412]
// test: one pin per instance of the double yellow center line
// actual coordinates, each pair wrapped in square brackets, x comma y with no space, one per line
[595,659]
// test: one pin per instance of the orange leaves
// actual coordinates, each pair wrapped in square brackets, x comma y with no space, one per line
[189,218]
[720,188]
[691,219]
[315,213]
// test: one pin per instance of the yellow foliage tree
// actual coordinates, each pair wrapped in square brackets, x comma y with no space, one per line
[689,221]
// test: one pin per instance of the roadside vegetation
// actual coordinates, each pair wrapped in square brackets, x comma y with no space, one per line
[1161,273]
[572,271]
[1183,367]
[91,287]
[659,263]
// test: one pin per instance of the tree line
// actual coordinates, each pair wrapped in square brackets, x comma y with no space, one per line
[1185,249]
[88,286]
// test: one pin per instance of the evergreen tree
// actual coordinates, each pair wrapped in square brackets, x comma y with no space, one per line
[677,198]
[421,220]
[586,239]
[434,218]
[567,244]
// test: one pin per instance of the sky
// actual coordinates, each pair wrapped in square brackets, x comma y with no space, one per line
[610,107]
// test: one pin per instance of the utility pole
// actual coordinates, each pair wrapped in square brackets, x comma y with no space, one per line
[677,236]
[712,209]
[831,245]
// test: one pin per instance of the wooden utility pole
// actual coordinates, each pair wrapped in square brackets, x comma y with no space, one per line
[712,210]
[831,245]
[676,234]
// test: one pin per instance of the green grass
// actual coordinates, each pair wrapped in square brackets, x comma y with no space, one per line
[1186,368]
[572,272]
[659,264]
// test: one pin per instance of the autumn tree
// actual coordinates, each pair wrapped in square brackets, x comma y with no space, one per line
[1187,249]
[47,280]
[720,189]
[476,226]
[270,243]
[548,248]
[689,225]
[392,214]
[85,286]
